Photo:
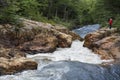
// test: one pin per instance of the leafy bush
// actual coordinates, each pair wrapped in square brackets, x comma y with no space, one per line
[116,21]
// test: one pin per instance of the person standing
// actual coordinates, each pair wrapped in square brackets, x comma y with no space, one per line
[110,23]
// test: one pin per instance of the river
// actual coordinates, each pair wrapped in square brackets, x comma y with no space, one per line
[74,63]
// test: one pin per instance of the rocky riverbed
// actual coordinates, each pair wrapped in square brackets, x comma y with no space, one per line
[29,37]
[34,37]
[105,42]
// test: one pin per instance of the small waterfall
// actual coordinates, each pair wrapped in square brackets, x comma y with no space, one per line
[75,53]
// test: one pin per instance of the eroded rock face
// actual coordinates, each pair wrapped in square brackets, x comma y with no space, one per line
[73,34]
[31,37]
[108,47]
[10,53]
[26,35]
[98,35]
[47,43]
[12,66]
[64,40]
[63,35]
[49,37]
[104,42]
[40,45]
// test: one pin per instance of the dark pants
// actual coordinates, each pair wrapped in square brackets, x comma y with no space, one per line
[110,26]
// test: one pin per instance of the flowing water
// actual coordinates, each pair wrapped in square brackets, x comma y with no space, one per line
[74,63]
[86,29]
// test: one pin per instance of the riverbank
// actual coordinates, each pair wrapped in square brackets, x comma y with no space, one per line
[105,42]
[51,42]
[30,37]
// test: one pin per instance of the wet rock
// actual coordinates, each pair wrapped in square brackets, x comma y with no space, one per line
[104,42]
[71,70]
[11,66]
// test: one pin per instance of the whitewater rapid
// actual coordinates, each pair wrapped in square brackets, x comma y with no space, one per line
[49,67]
[69,63]
[75,53]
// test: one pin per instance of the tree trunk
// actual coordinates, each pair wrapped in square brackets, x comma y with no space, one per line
[56,13]
[49,9]
[65,11]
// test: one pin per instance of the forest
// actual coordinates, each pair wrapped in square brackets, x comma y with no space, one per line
[66,12]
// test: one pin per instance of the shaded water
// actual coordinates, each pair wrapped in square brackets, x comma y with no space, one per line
[69,70]
[74,63]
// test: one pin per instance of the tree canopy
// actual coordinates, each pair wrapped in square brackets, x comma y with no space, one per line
[76,12]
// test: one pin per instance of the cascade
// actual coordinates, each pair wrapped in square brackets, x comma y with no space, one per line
[74,63]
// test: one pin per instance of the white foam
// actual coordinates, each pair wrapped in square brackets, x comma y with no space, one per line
[75,53]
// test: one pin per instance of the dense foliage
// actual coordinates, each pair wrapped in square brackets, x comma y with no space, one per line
[70,12]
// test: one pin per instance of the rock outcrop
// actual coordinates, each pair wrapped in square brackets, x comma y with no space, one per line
[11,52]
[74,35]
[105,42]
[29,37]
[40,44]
[11,66]
[27,32]
[13,60]
[64,40]
[49,37]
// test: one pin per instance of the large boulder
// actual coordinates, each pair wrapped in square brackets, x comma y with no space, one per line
[105,42]
[26,36]
[29,29]
[63,35]
[98,35]
[47,43]
[41,44]
[11,66]
[64,40]
[31,37]
[73,34]
[49,37]
[108,47]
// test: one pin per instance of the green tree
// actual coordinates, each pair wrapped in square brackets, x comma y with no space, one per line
[8,11]
[29,9]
